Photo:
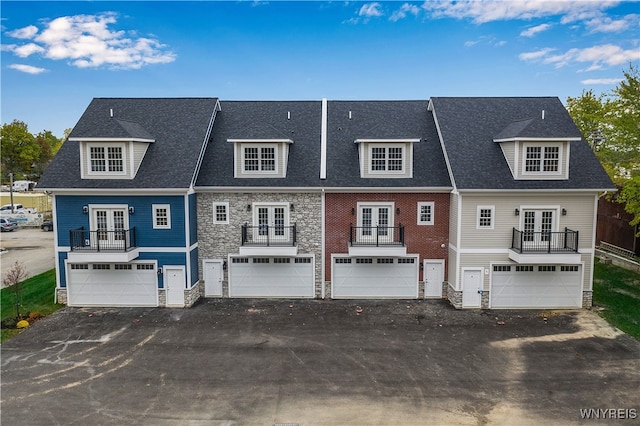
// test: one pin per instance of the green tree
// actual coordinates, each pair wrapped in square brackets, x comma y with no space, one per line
[19,148]
[611,124]
[49,145]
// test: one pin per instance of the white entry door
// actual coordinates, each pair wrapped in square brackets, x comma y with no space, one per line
[212,273]
[471,288]
[110,226]
[433,278]
[174,282]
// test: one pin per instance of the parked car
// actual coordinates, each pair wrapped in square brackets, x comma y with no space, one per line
[47,225]
[7,208]
[7,224]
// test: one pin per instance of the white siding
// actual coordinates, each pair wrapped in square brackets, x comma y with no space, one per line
[509,151]
[579,217]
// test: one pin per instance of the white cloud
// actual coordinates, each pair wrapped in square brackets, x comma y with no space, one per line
[605,24]
[26,32]
[88,41]
[487,11]
[532,56]
[370,10]
[405,9]
[531,31]
[27,68]
[594,81]
[27,50]
[597,57]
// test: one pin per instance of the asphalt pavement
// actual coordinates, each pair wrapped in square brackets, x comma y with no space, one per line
[32,247]
[314,362]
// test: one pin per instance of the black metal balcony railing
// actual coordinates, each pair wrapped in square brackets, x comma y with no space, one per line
[269,235]
[111,241]
[376,235]
[544,242]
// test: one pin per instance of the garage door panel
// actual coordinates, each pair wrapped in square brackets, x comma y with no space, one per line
[109,287]
[269,279]
[374,280]
[536,289]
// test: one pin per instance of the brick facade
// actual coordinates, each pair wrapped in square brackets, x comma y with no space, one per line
[429,241]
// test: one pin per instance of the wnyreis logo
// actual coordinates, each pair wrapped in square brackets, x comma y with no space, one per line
[608,413]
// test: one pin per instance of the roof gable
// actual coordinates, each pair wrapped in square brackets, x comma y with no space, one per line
[179,127]
[469,126]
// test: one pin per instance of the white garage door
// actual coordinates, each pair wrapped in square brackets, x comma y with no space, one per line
[109,284]
[271,277]
[536,286]
[373,278]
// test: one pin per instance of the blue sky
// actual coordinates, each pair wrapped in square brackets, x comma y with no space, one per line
[57,56]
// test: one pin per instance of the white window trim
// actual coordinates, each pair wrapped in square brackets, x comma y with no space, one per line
[493,216]
[225,204]
[255,206]
[92,207]
[561,159]
[426,203]
[106,147]
[276,154]
[390,205]
[154,209]
[370,147]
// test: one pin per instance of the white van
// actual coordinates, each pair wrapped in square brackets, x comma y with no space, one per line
[23,185]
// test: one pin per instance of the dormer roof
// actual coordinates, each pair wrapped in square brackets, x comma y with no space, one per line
[178,127]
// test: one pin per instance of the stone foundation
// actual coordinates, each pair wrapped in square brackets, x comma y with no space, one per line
[192,295]
[484,301]
[455,297]
[587,299]
[61,295]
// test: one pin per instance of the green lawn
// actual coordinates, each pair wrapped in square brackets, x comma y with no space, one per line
[37,296]
[617,291]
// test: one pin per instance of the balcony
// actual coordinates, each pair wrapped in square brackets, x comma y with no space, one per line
[376,241]
[269,240]
[544,247]
[102,246]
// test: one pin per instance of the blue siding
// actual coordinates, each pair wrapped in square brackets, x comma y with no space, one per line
[179,259]
[193,220]
[194,266]
[63,273]
[70,216]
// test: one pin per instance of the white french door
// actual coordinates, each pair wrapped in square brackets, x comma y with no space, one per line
[537,226]
[272,222]
[375,223]
[110,226]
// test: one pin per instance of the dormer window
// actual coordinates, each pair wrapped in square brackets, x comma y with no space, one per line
[106,159]
[386,158]
[542,159]
[260,157]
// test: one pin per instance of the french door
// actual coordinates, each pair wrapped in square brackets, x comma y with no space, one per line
[375,224]
[109,224]
[272,222]
[538,225]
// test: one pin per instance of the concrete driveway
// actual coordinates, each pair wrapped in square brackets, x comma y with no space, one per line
[31,246]
[228,362]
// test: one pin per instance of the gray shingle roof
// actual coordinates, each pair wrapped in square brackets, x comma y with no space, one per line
[383,120]
[470,125]
[265,120]
[178,125]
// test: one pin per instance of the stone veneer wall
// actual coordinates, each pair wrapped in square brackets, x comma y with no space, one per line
[217,241]
[587,299]
[455,297]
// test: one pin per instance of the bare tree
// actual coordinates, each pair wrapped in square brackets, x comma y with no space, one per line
[14,278]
